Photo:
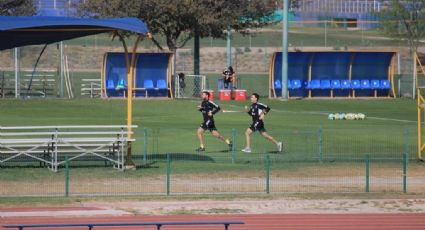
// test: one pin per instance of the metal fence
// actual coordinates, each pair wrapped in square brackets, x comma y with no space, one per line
[312,162]
[256,175]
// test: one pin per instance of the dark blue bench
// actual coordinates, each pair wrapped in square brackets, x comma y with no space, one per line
[157,224]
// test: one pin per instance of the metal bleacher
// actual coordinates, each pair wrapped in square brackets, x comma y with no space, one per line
[90,87]
[48,144]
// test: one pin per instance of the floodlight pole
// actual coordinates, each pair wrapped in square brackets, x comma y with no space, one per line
[61,70]
[285,50]
[229,47]
[17,84]
[196,60]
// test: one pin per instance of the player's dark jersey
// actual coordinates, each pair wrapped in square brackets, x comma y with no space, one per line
[208,106]
[256,109]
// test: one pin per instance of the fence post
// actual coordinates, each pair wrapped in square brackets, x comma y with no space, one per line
[320,139]
[233,145]
[268,174]
[405,172]
[66,177]
[406,140]
[168,173]
[367,172]
[145,144]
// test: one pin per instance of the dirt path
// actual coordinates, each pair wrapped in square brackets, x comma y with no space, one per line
[266,206]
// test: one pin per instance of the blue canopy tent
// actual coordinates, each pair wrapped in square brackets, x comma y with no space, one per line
[35,30]
[22,31]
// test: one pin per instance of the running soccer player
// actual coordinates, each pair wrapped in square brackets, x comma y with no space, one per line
[208,109]
[257,111]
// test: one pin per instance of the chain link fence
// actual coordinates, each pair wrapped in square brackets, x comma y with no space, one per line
[313,161]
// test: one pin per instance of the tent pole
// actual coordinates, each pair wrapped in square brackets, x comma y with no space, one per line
[129,164]
[127,61]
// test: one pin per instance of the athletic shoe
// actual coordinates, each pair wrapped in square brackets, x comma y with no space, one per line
[200,149]
[246,150]
[230,146]
[279,146]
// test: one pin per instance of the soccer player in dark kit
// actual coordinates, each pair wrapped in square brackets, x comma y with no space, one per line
[208,109]
[257,111]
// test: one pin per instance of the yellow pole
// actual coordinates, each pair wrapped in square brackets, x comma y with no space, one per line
[420,107]
[419,127]
[127,61]
[129,162]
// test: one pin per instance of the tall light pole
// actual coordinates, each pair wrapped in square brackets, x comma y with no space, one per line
[229,47]
[285,50]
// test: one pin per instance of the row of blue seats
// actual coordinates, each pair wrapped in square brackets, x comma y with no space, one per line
[335,84]
[147,84]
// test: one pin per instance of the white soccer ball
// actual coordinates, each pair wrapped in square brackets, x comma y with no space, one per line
[337,117]
[331,117]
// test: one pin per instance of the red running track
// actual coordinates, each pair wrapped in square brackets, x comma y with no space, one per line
[252,222]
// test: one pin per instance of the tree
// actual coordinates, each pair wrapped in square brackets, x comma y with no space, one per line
[17,7]
[293,4]
[404,19]
[179,21]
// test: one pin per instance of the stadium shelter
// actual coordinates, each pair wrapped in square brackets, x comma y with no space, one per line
[332,74]
[151,75]
[16,31]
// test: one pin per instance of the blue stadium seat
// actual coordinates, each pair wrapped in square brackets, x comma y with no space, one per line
[161,84]
[355,84]
[345,84]
[148,84]
[278,84]
[110,84]
[335,84]
[150,89]
[374,84]
[385,84]
[289,84]
[295,84]
[365,84]
[313,84]
[325,84]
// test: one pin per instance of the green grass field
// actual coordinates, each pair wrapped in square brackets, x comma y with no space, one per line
[171,125]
